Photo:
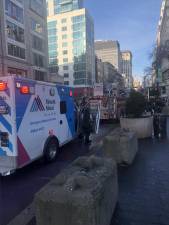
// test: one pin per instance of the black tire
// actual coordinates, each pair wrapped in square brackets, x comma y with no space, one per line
[51,150]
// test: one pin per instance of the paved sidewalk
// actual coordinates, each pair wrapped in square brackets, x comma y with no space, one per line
[144,187]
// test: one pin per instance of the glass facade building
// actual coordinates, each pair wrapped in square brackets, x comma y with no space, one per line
[71,42]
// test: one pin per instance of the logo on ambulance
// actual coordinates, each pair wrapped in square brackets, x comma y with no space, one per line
[37,105]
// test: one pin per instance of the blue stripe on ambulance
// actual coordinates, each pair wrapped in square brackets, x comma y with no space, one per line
[10,146]
[2,153]
[6,124]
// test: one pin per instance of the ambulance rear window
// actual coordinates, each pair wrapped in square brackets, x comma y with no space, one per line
[63,107]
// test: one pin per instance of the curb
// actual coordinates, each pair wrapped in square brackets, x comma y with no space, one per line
[25,217]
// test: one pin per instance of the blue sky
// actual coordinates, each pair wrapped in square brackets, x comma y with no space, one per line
[132,22]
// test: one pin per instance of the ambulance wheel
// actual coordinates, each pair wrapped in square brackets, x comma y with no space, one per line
[51,150]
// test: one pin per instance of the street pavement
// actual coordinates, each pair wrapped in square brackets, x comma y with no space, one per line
[144,187]
[17,191]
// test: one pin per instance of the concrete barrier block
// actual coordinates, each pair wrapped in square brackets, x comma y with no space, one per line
[84,194]
[121,145]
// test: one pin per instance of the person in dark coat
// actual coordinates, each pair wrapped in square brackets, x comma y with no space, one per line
[86,125]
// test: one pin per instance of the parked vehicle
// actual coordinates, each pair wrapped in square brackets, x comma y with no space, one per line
[108,107]
[36,118]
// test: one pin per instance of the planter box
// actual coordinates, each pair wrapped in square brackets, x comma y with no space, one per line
[120,145]
[84,194]
[143,127]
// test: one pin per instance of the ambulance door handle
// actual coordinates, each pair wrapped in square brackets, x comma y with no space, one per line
[61,122]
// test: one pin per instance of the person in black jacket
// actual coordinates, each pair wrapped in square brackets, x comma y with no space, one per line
[86,125]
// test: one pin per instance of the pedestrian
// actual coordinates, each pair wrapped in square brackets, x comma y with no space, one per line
[87,125]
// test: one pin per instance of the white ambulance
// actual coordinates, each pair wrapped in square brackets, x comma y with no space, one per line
[36,118]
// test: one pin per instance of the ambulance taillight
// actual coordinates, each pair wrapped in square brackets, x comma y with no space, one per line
[25,90]
[3,86]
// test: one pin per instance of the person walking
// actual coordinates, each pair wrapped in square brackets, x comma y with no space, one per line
[87,125]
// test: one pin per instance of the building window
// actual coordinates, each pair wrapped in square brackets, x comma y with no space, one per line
[64,36]
[79,75]
[52,32]
[38,7]
[39,75]
[65,60]
[14,11]
[78,26]
[78,35]
[64,44]
[78,19]
[53,54]
[36,26]
[79,66]
[15,32]
[38,60]
[37,43]
[53,61]
[65,52]
[52,47]
[16,51]
[64,20]
[63,107]
[52,24]
[66,75]
[52,39]
[80,82]
[53,69]
[17,72]
[62,8]
[66,83]
[64,28]
[65,67]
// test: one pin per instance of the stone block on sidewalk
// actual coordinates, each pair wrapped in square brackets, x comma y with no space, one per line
[84,194]
[121,145]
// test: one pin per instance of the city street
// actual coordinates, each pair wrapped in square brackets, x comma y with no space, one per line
[17,191]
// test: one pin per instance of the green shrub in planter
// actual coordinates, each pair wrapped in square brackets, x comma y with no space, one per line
[135,105]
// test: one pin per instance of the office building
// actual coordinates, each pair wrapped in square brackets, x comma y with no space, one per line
[109,51]
[112,76]
[127,68]
[161,64]
[71,42]
[23,38]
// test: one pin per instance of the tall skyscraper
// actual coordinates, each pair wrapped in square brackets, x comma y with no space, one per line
[127,68]
[109,51]
[23,38]
[71,42]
